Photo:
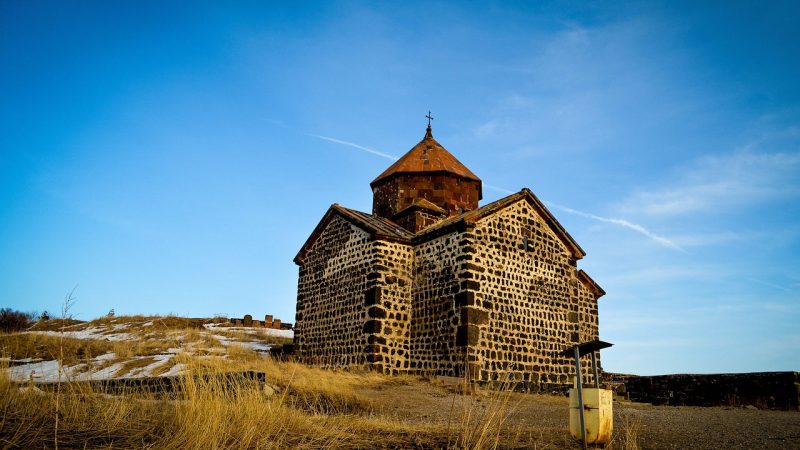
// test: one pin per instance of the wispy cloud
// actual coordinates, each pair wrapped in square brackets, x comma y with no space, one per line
[499,189]
[354,145]
[772,285]
[718,182]
[716,238]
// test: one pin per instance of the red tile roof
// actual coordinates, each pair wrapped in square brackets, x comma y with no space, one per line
[427,156]
[378,227]
[382,228]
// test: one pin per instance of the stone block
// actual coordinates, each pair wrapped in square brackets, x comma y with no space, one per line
[372,326]
[572,317]
[372,296]
[467,335]
[376,312]
[474,316]
[464,298]
[470,285]
[376,339]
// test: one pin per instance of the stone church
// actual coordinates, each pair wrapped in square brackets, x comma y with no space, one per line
[432,283]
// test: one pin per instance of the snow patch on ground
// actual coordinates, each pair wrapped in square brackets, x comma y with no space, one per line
[257,346]
[88,333]
[44,371]
[174,370]
[251,330]
[106,366]
[146,371]
[48,371]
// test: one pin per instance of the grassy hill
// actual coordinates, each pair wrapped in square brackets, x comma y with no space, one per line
[99,384]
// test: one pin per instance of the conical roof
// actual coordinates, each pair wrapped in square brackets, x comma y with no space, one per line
[427,156]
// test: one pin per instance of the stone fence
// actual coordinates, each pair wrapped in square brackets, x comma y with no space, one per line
[268,322]
[764,390]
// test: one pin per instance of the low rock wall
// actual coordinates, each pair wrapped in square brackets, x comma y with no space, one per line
[764,390]
[268,322]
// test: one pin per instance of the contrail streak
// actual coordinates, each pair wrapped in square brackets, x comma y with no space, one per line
[619,222]
[351,144]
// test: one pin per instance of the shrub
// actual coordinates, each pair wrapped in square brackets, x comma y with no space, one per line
[12,320]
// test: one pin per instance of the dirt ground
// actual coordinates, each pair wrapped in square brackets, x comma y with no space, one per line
[540,421]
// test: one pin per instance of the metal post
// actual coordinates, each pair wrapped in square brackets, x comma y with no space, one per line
[596,377]
[580,394]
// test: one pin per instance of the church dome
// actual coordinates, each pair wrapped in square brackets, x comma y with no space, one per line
[426,172]
[427,156]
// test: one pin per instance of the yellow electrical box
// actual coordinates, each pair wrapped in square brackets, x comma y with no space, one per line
[598,415]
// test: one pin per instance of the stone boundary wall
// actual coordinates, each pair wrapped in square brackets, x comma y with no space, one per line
[764,390]
[268,322]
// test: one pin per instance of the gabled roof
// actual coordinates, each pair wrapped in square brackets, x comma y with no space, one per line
[470,217]
[590,283]
[378,227]
[427,156]
[385,229]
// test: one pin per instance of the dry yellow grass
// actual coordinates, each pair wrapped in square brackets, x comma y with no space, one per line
[163,368]
[627,435]
[312,407]
[58,325]
[132,364]
[207,413]
[41,346]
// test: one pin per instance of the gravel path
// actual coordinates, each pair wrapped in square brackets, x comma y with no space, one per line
[540,421]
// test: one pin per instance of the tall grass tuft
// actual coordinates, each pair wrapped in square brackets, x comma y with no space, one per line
[481,423]
[628,435]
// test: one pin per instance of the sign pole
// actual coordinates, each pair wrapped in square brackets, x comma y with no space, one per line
[580,394]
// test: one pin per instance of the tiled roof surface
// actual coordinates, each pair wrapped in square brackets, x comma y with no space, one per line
[379,225]
[387,229]
[427,156]
[588,281]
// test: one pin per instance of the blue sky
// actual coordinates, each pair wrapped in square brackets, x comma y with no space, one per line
[169,158]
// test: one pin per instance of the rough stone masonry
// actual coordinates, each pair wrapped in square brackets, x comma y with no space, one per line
[431,283]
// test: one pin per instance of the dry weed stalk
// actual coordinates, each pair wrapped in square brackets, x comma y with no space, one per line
[628,434]
[69,300]
[483,414]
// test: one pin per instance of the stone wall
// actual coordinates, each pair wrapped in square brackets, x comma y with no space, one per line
[268,322]
[450,192]
[529,303]
[497,299]
[331,318]
[388,305]
[437,284]
[415,220]
[776,390]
